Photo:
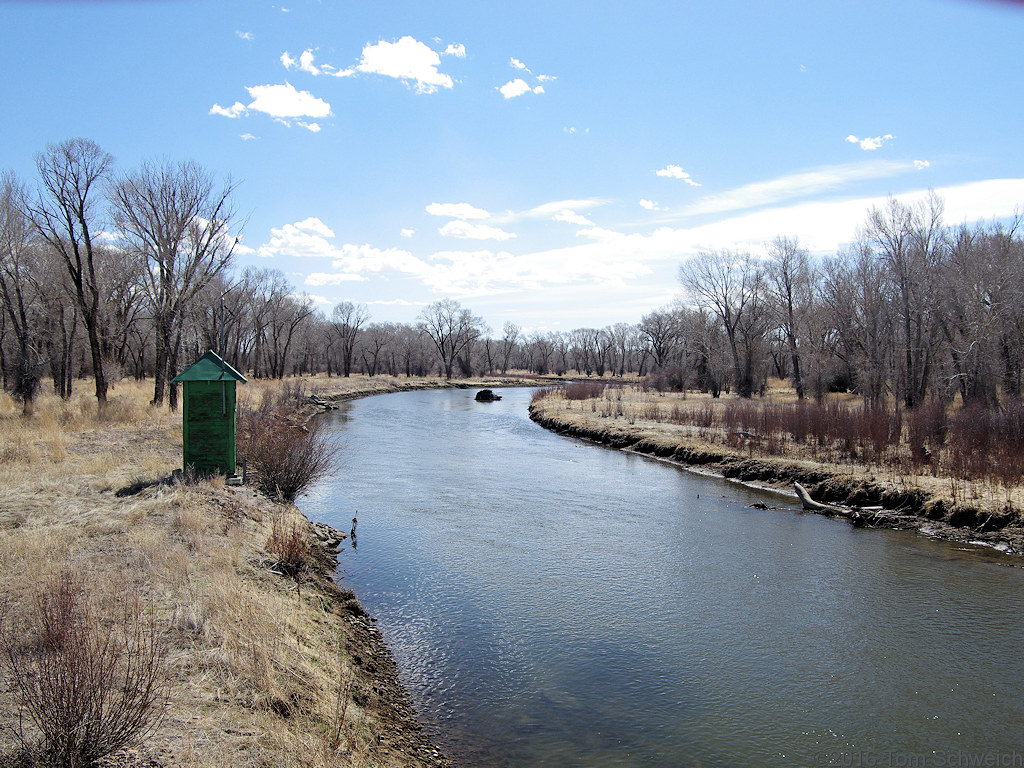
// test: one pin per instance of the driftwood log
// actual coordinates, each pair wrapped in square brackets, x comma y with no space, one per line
[850,513]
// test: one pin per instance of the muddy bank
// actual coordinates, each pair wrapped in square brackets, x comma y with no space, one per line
[880,504]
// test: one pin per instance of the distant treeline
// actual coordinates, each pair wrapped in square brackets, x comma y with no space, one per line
[106,273]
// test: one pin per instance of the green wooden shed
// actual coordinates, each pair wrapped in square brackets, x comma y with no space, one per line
[209,418]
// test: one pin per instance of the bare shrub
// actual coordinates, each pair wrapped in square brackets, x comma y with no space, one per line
[289,546]
[583,390]
[283,456]
[540,394]
[88,685]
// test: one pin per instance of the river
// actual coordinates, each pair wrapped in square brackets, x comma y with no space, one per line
[555,603]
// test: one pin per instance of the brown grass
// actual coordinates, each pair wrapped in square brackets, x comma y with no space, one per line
[258,674]
[943,452]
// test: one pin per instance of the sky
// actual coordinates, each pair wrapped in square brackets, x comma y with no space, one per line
[546,163]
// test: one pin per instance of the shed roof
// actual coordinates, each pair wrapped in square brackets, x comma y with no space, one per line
[209,367]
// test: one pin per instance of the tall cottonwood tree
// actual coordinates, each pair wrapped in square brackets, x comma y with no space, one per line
[789,276]
[451,329]
[731,286]
[174,219]
[346,321]
[67,216]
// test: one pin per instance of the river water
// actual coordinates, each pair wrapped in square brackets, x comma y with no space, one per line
[554,603]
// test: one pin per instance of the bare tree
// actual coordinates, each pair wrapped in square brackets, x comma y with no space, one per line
[510,334]
[731,285]
[451,329]
[177,223]
[347,319]
[66,216]
[789,274]
[20,291]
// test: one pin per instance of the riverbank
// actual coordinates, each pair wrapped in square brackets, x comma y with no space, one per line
[260,667]
[884,498]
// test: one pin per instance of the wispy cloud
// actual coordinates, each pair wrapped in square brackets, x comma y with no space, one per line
[869,145]
[244,35]
[796,185]
[676,172]
[469,231]
[457,211]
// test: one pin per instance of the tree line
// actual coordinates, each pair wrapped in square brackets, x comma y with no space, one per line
[107,273]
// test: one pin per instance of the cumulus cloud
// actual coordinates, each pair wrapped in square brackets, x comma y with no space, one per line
[235,110]
[285,101]
[514,88]
[458,50]
[468,231]
[871,144]
[311,127]
[650,205]
[921,164]
[457,211]
[676,172]
[408,60]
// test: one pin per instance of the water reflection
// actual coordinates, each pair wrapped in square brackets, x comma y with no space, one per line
[549,602]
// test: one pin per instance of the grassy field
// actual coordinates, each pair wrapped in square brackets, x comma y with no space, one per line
[258,669]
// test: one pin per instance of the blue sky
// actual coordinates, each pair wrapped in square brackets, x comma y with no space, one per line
[549,163]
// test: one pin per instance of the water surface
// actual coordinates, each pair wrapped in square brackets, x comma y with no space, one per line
[551,602]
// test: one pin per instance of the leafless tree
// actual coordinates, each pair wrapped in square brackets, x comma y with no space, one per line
[66,215]
[451,329]
[21,294]
[731,285]
[347,319]
[789,275]
[175,220]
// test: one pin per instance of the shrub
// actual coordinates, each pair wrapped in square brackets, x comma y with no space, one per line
[89,686]
[583,390]
[290,548]
[282,456]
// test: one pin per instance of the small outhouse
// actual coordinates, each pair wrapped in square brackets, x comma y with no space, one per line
[209,417]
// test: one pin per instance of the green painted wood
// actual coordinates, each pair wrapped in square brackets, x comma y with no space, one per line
[209,415]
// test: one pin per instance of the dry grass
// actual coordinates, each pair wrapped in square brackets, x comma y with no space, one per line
[259,674]
[698,420]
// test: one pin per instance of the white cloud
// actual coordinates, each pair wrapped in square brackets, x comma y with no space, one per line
[247,137]
[406,232]
[921,164]
[312,127]
[675,172]
[288,61]
[796,185]
[284,101]
[306,63]
[552,209]
[650,205]
[407,60]
[517,64]
[244,35]
[546,78]
[514,88]
[467,231]
[318,279]
[571,217]
[458,50]
[870,144]
[235,110]
[457,211]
